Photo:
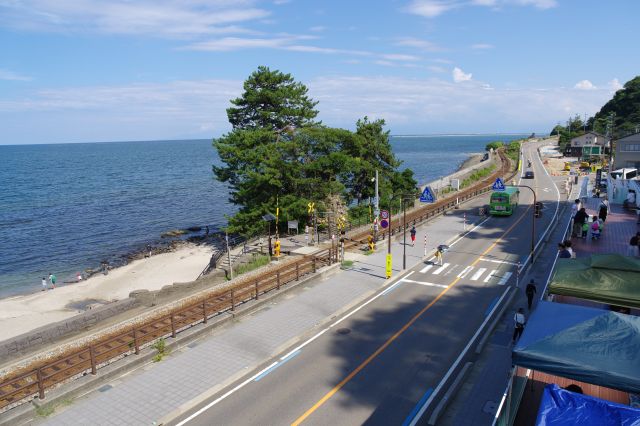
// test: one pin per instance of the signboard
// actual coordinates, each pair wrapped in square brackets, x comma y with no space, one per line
[384,214]
[455,184]
[598,178]
[427,196]
[384,223]
[498,185]
[388,265]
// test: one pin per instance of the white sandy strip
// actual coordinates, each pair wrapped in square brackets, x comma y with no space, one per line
[24,313]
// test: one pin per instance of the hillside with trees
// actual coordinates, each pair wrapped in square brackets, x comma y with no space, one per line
[619,117]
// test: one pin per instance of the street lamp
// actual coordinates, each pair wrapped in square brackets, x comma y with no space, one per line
[533,219]
[404,229]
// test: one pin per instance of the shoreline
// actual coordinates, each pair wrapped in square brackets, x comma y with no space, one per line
[474,158]
[23,313]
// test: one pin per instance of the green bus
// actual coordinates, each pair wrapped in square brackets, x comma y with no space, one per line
[504,203]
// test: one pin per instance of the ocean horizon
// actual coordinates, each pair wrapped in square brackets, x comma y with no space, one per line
[66,207]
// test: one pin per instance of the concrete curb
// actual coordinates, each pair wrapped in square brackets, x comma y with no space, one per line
[78,387]
[453,389]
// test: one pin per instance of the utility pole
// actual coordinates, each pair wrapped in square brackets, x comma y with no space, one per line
[226,237]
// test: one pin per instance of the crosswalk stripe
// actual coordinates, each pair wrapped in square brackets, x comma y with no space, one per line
[484,259]
[440,269]
[505,278]
[424,283]
[426,268]
[486,280]
[478,274]
[465,271]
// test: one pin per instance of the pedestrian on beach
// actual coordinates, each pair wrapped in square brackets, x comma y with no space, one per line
[78,276]
[530,291]
[634,245]
[44,284]
[579,221]
[413,236]
[52,280]
[519,320]
[603,210]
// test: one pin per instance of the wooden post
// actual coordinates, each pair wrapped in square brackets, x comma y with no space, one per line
[297,272]
[278,279]
[135,341]
[256,289]
[233,300]
[92,355]
[314,264]
[40,384]
[204,311]
[173,326]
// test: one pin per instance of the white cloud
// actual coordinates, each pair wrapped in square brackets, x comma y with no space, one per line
[488,3]
[540,4]
[584,85]
[424,45]
[197,108]
[436,69]
[10,75]
[317,29]
[430,8]
[460,76]
[615,85]
[156,18]
[482,46]
[399,57]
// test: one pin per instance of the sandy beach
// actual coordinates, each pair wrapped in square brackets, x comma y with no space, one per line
[20,314]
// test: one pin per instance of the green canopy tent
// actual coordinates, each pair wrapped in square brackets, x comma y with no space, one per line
[606,278]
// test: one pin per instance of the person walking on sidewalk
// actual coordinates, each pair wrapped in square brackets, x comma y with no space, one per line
[530,291]
[574,210]
[579,220]
[519,320]
[413,236]
[634,244]
[603,210]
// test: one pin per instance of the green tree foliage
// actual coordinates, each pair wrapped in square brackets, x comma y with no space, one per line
[272,100]
[266,165]
[625,107]
[495,145]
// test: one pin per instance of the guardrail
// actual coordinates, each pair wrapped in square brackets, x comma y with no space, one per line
[47,374]
[40,376]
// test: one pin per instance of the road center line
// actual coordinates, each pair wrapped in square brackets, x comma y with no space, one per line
[398,333]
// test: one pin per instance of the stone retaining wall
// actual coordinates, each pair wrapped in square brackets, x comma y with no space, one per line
[438,184]
[28,342]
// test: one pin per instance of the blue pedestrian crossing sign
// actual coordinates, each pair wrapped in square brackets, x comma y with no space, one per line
[427,196]
[498,185]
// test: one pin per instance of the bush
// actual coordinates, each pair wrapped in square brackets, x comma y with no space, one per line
[161,347]
[513,150]
[495,145]
[258,261]
[477,175]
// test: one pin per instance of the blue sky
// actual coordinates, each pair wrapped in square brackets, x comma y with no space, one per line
[88,70]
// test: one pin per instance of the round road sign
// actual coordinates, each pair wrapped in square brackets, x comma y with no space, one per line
[384,223]
[384,214]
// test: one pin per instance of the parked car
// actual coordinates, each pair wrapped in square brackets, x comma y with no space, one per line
[528,174]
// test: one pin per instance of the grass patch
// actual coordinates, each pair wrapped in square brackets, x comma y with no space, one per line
[48,409]
[161,347]
[477,175]
[346,264]
[258,261]
[368,252]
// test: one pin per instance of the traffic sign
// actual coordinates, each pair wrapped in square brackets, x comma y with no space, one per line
[498,185]
[427,196]
[384,223]
[384,214]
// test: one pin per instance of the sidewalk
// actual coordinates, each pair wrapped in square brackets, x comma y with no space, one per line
[159,391]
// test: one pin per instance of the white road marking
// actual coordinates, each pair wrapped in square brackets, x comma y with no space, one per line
[484,259]
[465,271]
[486,280]
[440,269]
[505,278]
[424,283]
[426,268]
[478,274]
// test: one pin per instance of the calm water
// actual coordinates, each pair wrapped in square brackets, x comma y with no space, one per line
[67,207]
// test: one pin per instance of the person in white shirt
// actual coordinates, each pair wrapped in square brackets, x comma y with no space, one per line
[519,320]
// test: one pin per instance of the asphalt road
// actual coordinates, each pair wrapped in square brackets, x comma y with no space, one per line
[385,360]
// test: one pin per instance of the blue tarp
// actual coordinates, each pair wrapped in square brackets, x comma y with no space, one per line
[586,344]
[563,408]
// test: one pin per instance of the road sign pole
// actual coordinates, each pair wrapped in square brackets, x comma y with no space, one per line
[425,245]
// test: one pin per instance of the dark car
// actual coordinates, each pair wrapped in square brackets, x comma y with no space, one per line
[528,174]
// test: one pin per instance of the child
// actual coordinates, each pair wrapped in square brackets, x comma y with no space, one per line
[595,228]
[585,229]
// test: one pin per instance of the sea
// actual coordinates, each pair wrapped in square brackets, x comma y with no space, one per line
[68,207]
